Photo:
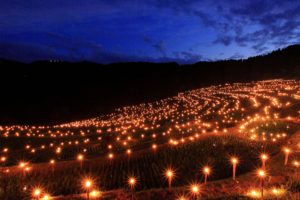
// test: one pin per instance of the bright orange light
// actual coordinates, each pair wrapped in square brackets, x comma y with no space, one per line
[254,194]
[27,169]
[46,197]
[3,159]
[128,151]
[261,173]
[264,156]
[58,150]
[22,164]
[169,173]
[234,160]
[296,163]
[278,191]
[95,193]
[37,192]
[88,183]
[206,170]
[286,150]
[132,182]
[195,189]
[80,157]
[275,191]
[111,156]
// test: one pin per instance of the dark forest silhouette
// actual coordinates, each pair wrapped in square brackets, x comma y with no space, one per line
[55,92]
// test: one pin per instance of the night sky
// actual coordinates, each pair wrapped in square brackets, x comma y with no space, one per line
[107,31]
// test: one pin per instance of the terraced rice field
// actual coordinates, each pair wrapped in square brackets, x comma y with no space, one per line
[198,128]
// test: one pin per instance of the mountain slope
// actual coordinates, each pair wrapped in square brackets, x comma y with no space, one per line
[54,92]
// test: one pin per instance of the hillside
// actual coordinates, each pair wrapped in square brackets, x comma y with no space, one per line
[53,92]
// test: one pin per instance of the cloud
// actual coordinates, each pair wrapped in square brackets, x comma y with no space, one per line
[275,23]
[185,57]
[226,40]
[159,46]
[257,24]
[252,8]
[191,57]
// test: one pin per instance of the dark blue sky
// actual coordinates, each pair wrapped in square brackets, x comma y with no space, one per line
[145,30]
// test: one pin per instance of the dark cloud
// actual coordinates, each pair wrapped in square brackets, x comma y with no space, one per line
[224,39]
[205,18]
[191,57]
[255,24]
[252,8]
[275,22]
[159,46]
[259,47]
[185,57]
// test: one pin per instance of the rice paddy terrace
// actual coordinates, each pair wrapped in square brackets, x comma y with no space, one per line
[175,148]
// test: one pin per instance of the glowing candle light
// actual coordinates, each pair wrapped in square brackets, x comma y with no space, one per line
[111,156]
[254,193]
[88,184]
[94,194]
[261,174]
[206,171]
[154,146]
[46,197]
[278,192]
[36,193]
[132,183]
[287,152]
[296,164]
[80,158]
[128,151]
[195,190]
[22,166]
[3,159]
[170,175]
[52,163]
[234,162]
[264,157]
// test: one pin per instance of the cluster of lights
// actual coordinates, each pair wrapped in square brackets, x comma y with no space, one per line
[39,194]
[272,193]
[210,110]
[187,113]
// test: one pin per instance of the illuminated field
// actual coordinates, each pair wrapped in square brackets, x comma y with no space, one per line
[204,135]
